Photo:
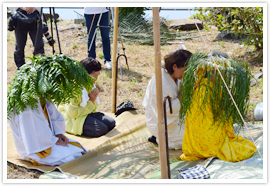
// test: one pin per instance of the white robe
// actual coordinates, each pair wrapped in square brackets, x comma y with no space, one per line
[169,88]
[32,134]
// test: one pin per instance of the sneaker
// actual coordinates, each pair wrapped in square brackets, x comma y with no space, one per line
[108,64]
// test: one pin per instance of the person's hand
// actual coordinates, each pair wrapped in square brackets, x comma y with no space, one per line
[29,10]
[93,95]
[60,142]
[63,140]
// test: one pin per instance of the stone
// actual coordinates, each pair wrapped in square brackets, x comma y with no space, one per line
[71,28]
[227,35]
[186,24]
[79,21]
[98,44]
[219,54]
[47,16]
[258,112]
[255,80]
[258,76]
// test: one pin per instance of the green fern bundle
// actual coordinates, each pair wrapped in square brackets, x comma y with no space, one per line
[56,78]
[237,77]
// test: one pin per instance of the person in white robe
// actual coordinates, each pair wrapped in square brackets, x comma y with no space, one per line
[175,65]
[39,136]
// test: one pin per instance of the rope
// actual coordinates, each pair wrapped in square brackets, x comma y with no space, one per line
[225,84]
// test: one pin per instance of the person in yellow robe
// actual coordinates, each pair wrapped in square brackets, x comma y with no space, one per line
[203,139]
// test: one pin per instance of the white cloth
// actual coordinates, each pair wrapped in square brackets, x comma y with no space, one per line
[85,97]
[169,88]
[95,10]
[33,133]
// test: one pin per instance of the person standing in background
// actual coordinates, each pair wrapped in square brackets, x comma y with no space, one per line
[92,15]
[22,28]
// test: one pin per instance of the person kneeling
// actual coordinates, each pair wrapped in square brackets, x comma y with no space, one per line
[37,126]
[80,114]
[175,66]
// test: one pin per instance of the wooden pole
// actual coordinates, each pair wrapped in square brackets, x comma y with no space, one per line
[158,75]
[114,75]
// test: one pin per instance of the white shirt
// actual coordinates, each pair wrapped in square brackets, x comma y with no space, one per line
[95,10]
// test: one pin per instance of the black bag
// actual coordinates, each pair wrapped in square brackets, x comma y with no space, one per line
[26,18]
[124,106]
[26,21]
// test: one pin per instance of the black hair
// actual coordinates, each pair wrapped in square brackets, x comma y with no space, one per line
[179,57]
[91,64]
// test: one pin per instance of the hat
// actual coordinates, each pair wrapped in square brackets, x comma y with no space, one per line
[124,106]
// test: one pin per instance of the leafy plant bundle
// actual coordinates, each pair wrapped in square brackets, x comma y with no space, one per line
[56,78]
[237,77]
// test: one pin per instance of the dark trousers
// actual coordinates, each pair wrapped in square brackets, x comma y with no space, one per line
[21,31]
[104,32]
[97,124]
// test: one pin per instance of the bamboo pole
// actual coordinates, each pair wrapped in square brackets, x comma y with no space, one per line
[114,75]
[161,128]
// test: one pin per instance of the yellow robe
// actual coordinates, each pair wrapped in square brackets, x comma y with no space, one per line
[75,115]
[203,140]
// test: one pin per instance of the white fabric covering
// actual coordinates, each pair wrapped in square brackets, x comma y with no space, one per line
[33,133]
[169,88]
[85,97]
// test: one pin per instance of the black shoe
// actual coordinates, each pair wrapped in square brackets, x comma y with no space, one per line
[153,139]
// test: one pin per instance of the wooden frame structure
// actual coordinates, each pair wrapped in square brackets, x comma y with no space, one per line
[161,129]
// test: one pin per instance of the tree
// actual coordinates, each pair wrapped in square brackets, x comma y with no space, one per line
[240,20]
[136,10]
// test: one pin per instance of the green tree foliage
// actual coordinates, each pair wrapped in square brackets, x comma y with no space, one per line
[240,20]
[56,78]
[135,10]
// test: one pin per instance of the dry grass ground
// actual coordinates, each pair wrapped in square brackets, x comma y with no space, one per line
[135,80]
